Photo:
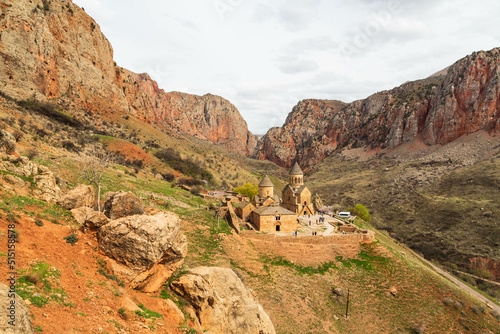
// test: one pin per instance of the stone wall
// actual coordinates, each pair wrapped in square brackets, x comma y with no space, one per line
[340,239]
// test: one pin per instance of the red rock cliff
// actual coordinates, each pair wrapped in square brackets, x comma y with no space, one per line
[54,50]
[436,110]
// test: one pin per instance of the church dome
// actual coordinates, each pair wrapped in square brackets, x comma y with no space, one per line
[266,182]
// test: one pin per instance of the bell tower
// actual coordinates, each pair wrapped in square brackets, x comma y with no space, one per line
[296,176]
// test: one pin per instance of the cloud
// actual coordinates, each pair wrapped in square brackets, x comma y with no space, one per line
[292,65]
[292,14]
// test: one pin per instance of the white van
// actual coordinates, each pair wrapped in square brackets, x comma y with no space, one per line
[346,215]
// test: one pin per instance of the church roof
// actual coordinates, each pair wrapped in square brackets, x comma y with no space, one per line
[266,182]
[243,205]
[296,170]
[272,210]
[295,190]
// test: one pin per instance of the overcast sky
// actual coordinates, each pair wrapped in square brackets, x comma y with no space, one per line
[266,55]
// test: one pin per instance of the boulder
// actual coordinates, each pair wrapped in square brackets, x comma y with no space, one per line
[89,218]
[18,165]
[46,187]
[22,314]
[121,204]
[82,195]
[222,303]
[13,182]
[147,249]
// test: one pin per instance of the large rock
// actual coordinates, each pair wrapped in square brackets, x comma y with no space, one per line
[121,204]
[222,303]
[46,187]
[147,249]
[18,313]
[82,195]
[89,218]
[13,181]
[18,165]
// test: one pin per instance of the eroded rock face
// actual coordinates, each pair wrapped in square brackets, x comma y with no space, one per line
[77,197]
[436,110]
[122,204]
[60,54]
[46,187]
[222,303]
[22,314]
[148,248]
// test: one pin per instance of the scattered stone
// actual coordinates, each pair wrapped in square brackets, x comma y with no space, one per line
[222,303]
[338,292]
[121,204]
[488,214]
[22,313]
[448,301]
[393,291]
[82,195]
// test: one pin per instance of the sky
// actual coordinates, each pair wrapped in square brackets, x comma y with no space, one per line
[264,56]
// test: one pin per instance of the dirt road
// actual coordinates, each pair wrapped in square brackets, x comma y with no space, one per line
[462,285]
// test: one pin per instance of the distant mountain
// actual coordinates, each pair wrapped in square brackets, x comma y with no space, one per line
[437,110]
[57,52]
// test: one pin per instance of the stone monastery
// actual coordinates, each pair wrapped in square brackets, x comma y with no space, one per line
[270,213]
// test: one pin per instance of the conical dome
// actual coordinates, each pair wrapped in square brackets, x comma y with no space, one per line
[296,170]
[266,182]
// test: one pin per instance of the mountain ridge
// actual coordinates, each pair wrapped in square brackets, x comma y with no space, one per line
[55,51]
[436,110]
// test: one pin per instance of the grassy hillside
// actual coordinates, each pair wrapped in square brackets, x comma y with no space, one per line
[71,288]
[447,212]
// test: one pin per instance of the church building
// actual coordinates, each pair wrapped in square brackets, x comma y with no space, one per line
[269,213]
[295,196]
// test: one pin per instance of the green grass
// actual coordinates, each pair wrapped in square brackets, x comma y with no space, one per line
[148,314]
[39,284]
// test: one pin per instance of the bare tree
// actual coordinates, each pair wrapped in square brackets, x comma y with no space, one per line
[92,169]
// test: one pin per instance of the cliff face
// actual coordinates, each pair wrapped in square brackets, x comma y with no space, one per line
[436,110]
[55,51]
[208,117]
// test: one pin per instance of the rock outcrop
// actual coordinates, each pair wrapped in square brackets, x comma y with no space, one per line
[46,187]
[121,204]
[436,110]
[17,313]
[77,197]
[222,303]
[147,249]
[56,52]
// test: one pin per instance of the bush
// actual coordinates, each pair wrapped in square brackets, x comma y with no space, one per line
[18,135]
[168,176]
[187,166]
[190,182]
[70,146]
[32,153]
[248,190]
[362,212]
[71,239]
[196,190]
